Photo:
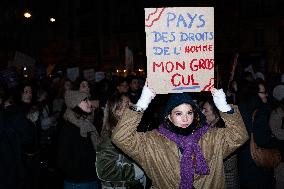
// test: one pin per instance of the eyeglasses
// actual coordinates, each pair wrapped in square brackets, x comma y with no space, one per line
[262,92]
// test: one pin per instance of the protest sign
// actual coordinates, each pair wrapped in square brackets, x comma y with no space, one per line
[99,76]
[129,60]
[73,73]
[180,49]
[22,60]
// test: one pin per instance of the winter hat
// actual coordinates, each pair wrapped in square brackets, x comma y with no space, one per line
[73,98]
[278,92]
[177,99]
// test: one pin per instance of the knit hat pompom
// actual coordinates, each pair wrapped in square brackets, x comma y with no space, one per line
[73,98]
[278,92]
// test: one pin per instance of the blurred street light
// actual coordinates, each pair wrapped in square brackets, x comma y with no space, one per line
[52,19]
[27,15]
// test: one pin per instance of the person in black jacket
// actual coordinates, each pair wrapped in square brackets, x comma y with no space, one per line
[251,175]
[77,143]
[24,102]
[276,123]
[10,158]
[15,135]
[134,92]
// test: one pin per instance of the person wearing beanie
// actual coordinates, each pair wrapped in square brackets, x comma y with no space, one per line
[278,91]
[184,152]
[78,141]
[82,85]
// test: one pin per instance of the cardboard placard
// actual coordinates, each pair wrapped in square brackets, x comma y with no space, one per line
[180,49]
[22,60]
[73,73]
[99,76]
[129,60]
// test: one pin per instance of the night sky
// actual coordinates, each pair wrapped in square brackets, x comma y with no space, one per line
[97,21]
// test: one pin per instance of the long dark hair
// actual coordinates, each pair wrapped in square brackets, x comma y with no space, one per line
[110,118]
[23,107]
[196,118]
[219,121]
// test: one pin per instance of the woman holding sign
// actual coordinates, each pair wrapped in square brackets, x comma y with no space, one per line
[184,152]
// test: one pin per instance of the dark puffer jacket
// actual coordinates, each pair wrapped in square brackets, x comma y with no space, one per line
[76,155]
[251,175]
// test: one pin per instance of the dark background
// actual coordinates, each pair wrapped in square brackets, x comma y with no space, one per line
[94,33]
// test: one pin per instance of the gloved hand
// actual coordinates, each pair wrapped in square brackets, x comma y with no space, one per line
[139,175]
[138,172]
[219,99]
[145,98]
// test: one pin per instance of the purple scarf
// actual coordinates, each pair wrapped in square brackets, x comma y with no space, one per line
[189,146]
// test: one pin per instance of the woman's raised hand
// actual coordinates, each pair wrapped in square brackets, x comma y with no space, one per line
[219,99]
[147,95]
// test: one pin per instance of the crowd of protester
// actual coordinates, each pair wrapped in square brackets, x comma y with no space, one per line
[54,130]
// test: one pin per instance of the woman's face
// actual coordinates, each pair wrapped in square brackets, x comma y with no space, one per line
[262,93]
[208,112]
[67,85]
[134,85]
[122,106]
[86,105]
[42,97]
[123,87]
[27,94]
[182,115]
[84,87]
